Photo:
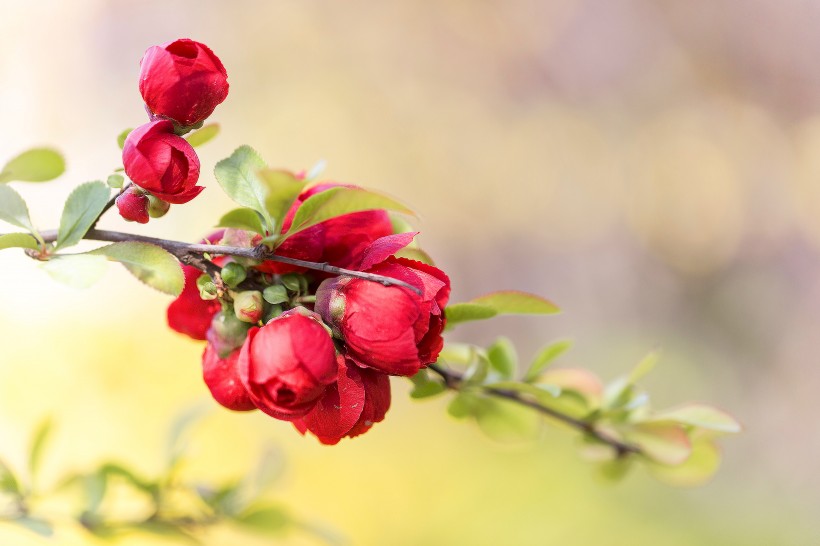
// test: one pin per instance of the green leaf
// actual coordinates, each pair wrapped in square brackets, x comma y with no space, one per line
[665,443]
[8,481]
[266,519]
[149,263]
[247,219]
[76,270]
[415,254]
[180,425]
[13,210]
[513,302]
[282,190]
[166,529]
[464,404]
[698,469]
[237,176]
[506,421]
[503,357]
[35,165]
[275,293]
[36,525]
[458,353]
[37,445]
[615,470]
[457,313]
[18,240]
[339,201]
[545,357]
[82,208]
[644,367]
[702,416]
[424,386]
[122,136]
[115,181]
[203,135]
[540,392]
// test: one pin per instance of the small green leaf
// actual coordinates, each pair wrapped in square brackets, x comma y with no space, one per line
[615,470]
[503,357]
[115,181]
[513,302]
[701,416]
[18,240]
[540,391]
[36,525]
[203,135]
[283,188]
[275,293]
[477,371]
[292,281]
[457,353]
[82,208]
[505,421]
[8,481]
[698,469]
[457,313]
[13,210]
[149,263]
[665,443]
[464,404]
[339,201]
[76,270]
[247,219]
[266,519]
[545,357]
[37,445]
[644,367]
[35,165]
[237,176]
[122,136]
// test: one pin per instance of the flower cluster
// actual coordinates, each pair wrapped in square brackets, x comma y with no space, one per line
[181,83]
[311,349]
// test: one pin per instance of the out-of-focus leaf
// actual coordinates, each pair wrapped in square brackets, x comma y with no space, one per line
[18,240]
[237,176]
[115,181]
[179,427]
[94,486]
[81,209]
[117,470]
[416,254]
[203,135]
[644,367]
[513,302]
[539,392]
[76,270]
[13,210]
[464,404]
[503,357]
[36,525]
[577,379]
[247,219]
[457,353]
[265,519]
[424,386]
[666,443]
[615,470]
[165,529]
[38,443]
[339,201]
[702,416]
[464,312]
[122,136]
[149,263]
[8,481]
[477,371]
[545,357]
[507,421]
[35,165]
[698,469]
[282,190]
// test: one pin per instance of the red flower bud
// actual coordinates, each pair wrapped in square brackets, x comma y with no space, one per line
[183,81]
[287,364]
[222,378]
[388,328]
[189,314]
[133,205]
[161,162]
[350,406]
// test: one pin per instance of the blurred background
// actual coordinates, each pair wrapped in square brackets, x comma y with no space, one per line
[651,166]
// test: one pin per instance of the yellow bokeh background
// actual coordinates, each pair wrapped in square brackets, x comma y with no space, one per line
[653,167]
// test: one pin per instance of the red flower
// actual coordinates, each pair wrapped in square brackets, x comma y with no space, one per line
[388,328]
[350,406]
[286,365]
[340,241]
[133,205]
[189,314]
[161,162]
[183,81]
[222,379]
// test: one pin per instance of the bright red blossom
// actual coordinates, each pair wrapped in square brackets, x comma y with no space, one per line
[222,378]
[388,328]
[286,365]
[189,314]
[161,162]
[182,80]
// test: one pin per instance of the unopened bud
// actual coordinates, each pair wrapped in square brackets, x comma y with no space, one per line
[227,333]
[248,305]
[233,274]
[207,288]
[132,205]
[157,208]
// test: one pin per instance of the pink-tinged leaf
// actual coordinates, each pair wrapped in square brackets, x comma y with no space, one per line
[384,247]
[698,469]
[701,416]
[576,379]
[665,443]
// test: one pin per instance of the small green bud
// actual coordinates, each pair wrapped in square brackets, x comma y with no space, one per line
[157,208]
[248,306]
[233,274]
[207,288]
[275,294]
[227,333]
